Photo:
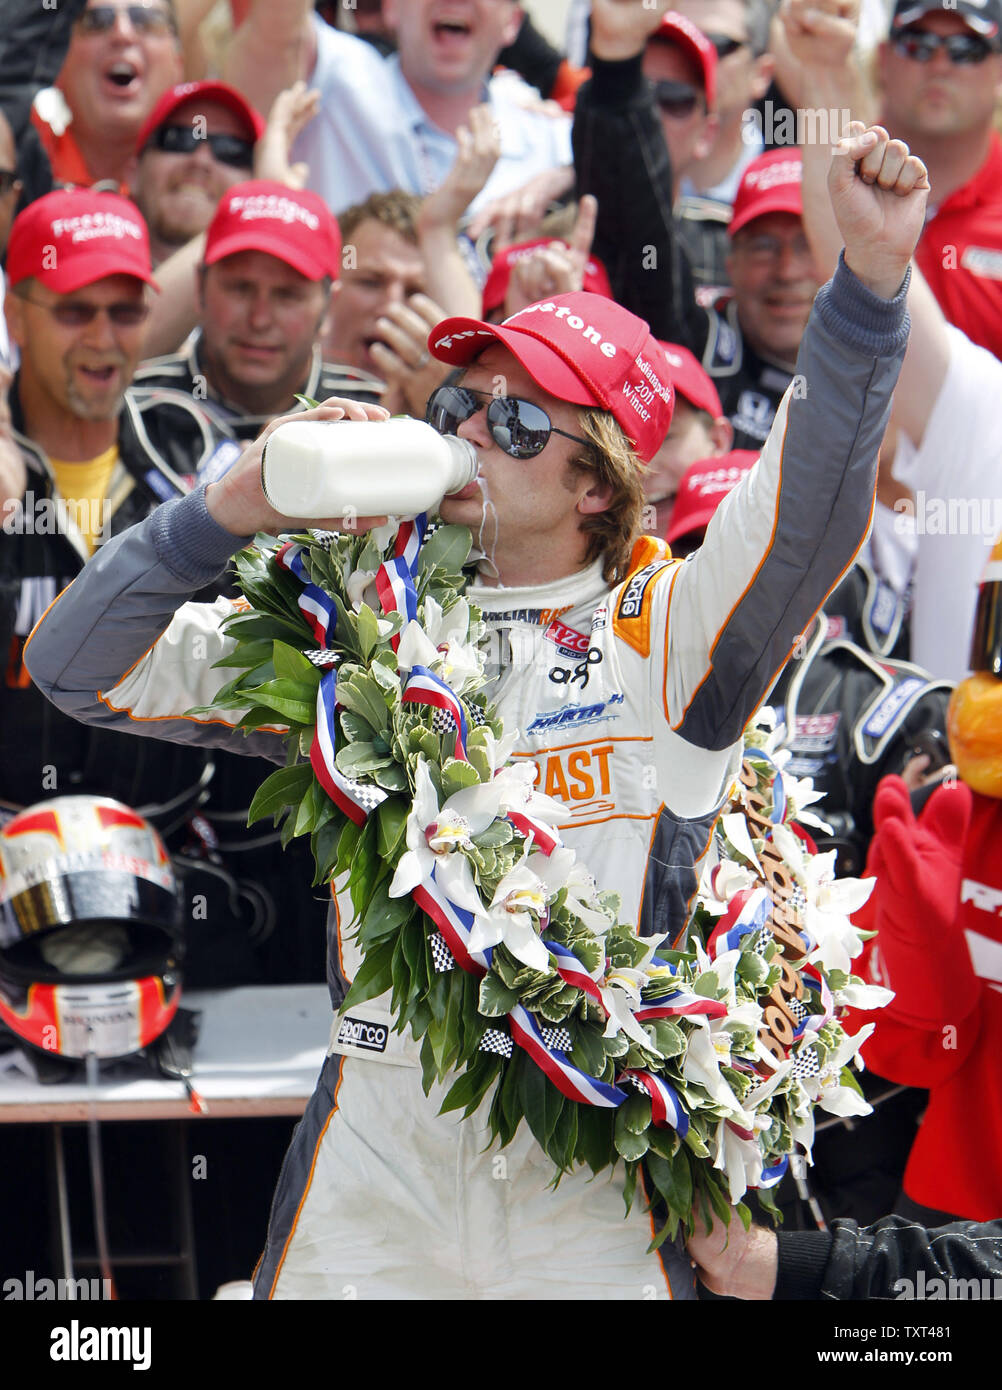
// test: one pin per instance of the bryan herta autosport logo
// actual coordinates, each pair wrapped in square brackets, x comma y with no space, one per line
[363,1034]
[573,716]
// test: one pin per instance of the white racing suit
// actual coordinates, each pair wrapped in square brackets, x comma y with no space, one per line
[632,701]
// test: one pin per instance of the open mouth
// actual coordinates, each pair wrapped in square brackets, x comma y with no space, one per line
[99,376]
[450,30]
[122,74]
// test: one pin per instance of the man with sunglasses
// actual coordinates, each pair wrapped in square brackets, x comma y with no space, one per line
[602,662]
[97,457]
[940,74]
[121,58]
[198,141]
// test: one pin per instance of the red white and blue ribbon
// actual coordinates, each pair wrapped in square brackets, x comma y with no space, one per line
[316,607]
[455,924]
[815,981]
[667,1110]
[771,1176]
[543,838]
[354,799]
[425,688]
[570,969]
[569,1080]
[747,911]
[395,577]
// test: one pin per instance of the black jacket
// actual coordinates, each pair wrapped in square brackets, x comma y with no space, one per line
[163,442]
[183,371]
[621,157]
[892,1259]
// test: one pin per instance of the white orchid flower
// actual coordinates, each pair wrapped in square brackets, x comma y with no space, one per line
[516,787]
[621,994]
[824,917]
[738,1158]
[735,828]
[435,834]
[582,900]
[720,882]
[518,911]
[498,750]
[704,1054]
[861,996]
[440,642]
[826,1089]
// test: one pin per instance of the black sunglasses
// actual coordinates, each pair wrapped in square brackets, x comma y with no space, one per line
[521,428]
[145,19]
[725,45]
[676,98]
[182,139]
[78,313]
[922,47]
[8,178]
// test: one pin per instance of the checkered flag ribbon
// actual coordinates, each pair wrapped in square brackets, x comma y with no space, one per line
[365,795]
[497,1042]
[763,941]
[442,722]
[324,657]
[797,1009]
[557,1039]
[325,539]
[477,716]
[442,957]
[806,1062]
[797,901]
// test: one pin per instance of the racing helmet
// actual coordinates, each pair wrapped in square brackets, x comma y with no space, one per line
[90,928]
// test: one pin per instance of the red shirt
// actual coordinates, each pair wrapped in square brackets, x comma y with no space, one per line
[68,165]
[960,254]
[956,1160]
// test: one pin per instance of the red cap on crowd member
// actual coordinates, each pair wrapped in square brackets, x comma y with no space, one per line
[704,486]
[596,278]
[581,348]
[296,226]
[73,237]
[205,91]
[676,29]
[771,183]
[690,380]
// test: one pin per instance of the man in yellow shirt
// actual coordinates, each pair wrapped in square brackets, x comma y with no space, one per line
[98,455]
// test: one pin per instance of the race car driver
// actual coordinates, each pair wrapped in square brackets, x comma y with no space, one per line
[640,734]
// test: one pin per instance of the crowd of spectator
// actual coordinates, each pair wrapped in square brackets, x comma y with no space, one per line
[247,203]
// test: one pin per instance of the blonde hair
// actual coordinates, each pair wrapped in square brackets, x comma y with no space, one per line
[613,462]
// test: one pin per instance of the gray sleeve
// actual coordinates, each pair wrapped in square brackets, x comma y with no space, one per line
[123,647]
[782,540]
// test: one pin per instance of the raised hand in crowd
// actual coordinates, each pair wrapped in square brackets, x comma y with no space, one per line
[519,213]
[816,56]
[293,110]
[620,28]
[401,356]
[447,276]
[557,268]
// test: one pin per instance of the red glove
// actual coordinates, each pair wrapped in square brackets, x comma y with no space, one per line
[918,866]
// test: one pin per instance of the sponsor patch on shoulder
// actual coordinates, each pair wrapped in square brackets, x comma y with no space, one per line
[881,718]
[633,612]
